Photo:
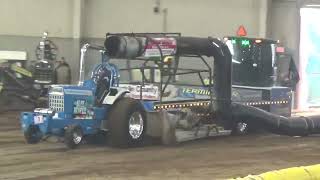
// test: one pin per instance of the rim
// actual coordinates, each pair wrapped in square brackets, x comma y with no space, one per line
[242,127]
[77,137]
[136,125]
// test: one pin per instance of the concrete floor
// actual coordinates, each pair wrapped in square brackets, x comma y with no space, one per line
[214,158]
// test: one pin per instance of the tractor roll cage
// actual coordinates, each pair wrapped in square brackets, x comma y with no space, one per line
[161,65]
[84,49]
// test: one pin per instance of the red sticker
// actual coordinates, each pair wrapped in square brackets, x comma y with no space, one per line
[168,47]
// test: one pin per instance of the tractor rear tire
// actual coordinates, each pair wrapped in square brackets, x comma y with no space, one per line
[73,136]
[32,135]
[126,123]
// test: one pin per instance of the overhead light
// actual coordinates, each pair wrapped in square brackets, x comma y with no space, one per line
[312,5]
[258,41]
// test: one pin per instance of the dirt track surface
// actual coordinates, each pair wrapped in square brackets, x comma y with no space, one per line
[214,158]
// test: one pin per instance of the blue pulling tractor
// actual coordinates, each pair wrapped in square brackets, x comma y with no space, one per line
[154,101]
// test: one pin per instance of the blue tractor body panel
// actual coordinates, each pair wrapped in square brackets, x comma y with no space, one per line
[69,105]
[55,124]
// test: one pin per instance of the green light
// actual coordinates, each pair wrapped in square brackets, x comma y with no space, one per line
[234,41]
[245,42]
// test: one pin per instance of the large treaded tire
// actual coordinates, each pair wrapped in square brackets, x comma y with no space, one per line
[118,123]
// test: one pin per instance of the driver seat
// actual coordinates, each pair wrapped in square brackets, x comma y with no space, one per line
[102,78]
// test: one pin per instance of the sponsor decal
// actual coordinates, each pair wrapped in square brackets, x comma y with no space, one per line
[195,91]
[149,92]
[82,110]
[39,119]
[168,47]
[183,93]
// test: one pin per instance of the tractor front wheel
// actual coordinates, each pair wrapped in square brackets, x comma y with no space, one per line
[73,136]
[32,135]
